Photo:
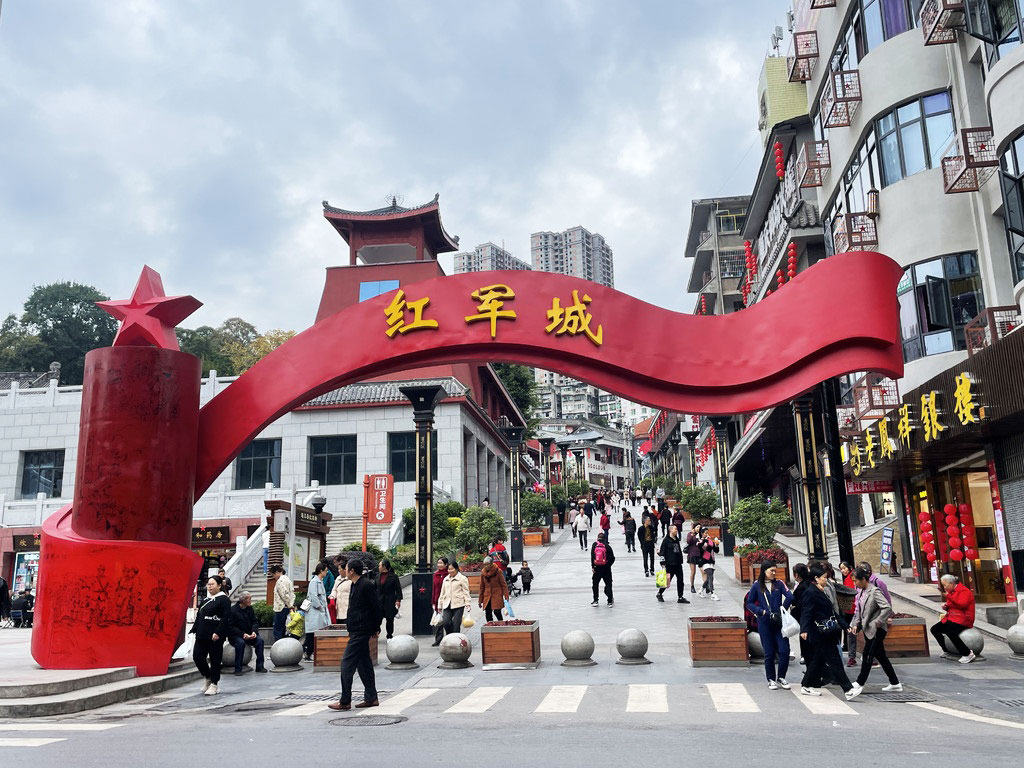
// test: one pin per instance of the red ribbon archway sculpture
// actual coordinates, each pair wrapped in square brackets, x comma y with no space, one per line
[146,450]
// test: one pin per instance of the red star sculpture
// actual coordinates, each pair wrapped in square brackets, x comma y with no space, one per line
[149,317]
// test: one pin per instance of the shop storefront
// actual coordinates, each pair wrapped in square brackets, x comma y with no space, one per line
[947,448]
[25,571]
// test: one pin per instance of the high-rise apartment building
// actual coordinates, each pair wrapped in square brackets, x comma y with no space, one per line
[486,257]
[575,252]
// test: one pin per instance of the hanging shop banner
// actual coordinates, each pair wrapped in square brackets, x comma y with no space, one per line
[885,561]
[868,486]
[1004,551]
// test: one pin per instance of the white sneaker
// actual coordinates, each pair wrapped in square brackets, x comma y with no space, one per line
[854,692]
[211,691]
[702,594]
[206,684]
[893,688]
[968,658]
[782,683]
[714,596]
[772,685]
[809,691]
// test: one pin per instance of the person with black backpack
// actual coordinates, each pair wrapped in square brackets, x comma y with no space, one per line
[601,560]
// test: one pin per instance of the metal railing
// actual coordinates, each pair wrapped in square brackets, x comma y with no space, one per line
[990,326]
[248,554]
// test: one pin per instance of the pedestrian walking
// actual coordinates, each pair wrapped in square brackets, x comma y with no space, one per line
[435,595]
[672,553]
[243,630]
[284,599]
[582,527]
[872,616]
[330,575]
[849,638]
[493,590]
[389,589]
[337,601]
[678,519]
[957,615]
[648,541]
[454,599]
[802,577]
[647,495]
[821,626]
[709,546]
[601,560]
[588,509]
[364,619]
[874,579]
[637,495]
[767,598]
[560,509]
[693,552]
[629,528]
[606,524]
[666,519]
[316,616]
[210,629]
[526,574]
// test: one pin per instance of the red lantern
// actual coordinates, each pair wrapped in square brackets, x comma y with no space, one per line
[956,555]
[969,541]
[931,557]
[924,517]
[927,538]
[954,542]
[965,509]
[972,554]
[951,520]
[949,509]
[928,547]
[926,525]
[952,531]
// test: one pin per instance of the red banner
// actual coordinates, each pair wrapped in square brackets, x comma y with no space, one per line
[1004,550]
[868,486]
[382,499]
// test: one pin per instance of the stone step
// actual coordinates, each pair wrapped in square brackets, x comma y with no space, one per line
[71,680]
[101,695]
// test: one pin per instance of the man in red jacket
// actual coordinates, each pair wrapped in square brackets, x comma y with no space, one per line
[439,575]
[958,615]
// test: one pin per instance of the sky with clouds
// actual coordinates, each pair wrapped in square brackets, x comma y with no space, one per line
[200,137]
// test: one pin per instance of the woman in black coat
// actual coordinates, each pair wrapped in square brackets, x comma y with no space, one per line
[389,589]
[210,629]
[821,627]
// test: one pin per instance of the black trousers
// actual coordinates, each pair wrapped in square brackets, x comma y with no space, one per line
[309,644]
[948,630]
[603,573]
[389,624]
[493,614]
[647,554]
[583,539]
[451,620]
[561,520]
[875,649]
[675,573]
[208,654]
[357,659]
[631,542]
[825,656]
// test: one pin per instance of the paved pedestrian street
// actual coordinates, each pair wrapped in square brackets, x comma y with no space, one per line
[553,714]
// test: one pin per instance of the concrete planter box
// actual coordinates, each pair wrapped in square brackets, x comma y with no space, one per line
[907,640]
[718,643]
[329,646]
[516,647]
[536,537]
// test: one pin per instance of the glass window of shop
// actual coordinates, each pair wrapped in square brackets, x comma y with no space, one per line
[915,136]
[1011,176]
[937,299]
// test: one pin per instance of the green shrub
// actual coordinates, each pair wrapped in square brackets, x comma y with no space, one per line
[757,519]
[357,546]
[264,613]
[479,528]
[449,509]
[454,523]
[559,494]
[533,508]
[700,501]
[403,558]
[578,488]
[409,523]
[445,548]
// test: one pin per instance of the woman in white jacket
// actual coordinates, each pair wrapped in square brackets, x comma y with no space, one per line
[454,599]
[582,526]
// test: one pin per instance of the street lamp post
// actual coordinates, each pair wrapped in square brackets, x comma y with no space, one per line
[578,453]
[721,425]
[564,450]
[424,400]
[674,442]
[691,449]
[514,436]
[545,459]
[807,461]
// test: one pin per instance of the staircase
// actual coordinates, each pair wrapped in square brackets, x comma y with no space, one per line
[345,530]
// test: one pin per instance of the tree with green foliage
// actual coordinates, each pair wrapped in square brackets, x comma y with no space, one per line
[601,421]
[480,526]
[534,507]
[208,344]
[522,388]
[700,501]
[757,519]
[559,494]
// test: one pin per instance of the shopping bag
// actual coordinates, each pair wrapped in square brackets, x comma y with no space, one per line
[661,578]
[467,620]
[436,620]
[508,609]
[790,626]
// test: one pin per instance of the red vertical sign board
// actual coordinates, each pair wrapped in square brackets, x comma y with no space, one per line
[1004,550]
[382,499]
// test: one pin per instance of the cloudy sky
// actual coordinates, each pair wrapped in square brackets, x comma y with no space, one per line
[200,137]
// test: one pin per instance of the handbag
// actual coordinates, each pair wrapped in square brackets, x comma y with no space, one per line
[436,620]
[306,605]
[790,626]
[508,609]
[661,579]
[467,620]
[829,626]
[707,554]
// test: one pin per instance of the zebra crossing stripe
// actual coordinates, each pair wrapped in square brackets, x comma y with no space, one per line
[28,727]
[480,700]
[826,704]
[731,697]
[26,742]
[303,710]
[647,698]
[400,701]
[562,699]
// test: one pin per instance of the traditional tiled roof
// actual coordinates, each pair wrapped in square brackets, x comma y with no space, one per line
[388,210]
[643,429]
[806,216]
[381,392]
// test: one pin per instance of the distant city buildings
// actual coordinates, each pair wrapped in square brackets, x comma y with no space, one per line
[576,252]
[486,257]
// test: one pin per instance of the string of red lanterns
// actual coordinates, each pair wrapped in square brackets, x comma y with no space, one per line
[791,266]
[952,537]
[703,304]
[780,168]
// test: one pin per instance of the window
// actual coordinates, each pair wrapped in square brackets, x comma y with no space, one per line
[871,24]
[332,460]
[998,23]
[259,463]
[43,473]
[937,299]
[376,288]
[731,263]
[915,136]
[402,456]
[1011,178]
[862,175]
[731,221]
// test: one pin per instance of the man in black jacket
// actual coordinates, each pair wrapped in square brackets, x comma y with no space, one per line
[601,559]
[243,630]
[648,536]
[364,618]
[672,552]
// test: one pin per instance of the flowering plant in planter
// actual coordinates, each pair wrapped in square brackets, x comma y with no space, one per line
[509,623]
[705,619]
[757,556]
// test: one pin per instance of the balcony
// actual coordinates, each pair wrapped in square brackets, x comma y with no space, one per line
[840,99]
[990,326]
[968,171]
[854,232]
[813,164]
[815,4]
[940,20]
[805,56]
[874,396]
[849,426]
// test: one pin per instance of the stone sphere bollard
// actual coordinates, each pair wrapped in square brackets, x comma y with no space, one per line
[402,651]
[754,645]
[455,650]
[1020,620]
[974,640]
[1015,639]
[285,654]
[578,647]
[632,647]
[228,659]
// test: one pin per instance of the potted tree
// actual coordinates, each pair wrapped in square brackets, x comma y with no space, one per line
[717,641]
[701,503]
[757,520]
[479,527]
[535,508]
[510,644]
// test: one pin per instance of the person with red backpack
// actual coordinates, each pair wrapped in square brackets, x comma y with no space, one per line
[601,560]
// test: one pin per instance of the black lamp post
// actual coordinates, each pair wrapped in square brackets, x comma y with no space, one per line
[424,400]
[807,461]
[691,445]
[721,425]
[674,442]
[545,468]
[578,454]
[514,436]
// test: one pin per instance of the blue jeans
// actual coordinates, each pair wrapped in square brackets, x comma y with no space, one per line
[775,643]
[280,621]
